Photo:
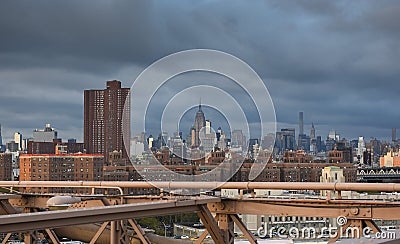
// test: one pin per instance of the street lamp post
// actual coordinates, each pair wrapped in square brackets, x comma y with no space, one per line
[165,229]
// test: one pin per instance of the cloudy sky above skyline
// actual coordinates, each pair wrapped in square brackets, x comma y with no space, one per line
[338,61]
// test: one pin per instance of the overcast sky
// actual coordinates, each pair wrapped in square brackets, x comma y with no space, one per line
[338,61]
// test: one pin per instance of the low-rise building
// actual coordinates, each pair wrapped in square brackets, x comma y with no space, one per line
[331,174]
[391,159]
[62,167]
[41,147]
[299,156]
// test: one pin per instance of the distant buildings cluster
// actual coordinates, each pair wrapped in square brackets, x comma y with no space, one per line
[103,154]
[334,147]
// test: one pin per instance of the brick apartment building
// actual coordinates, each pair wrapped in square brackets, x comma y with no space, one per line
[51,147]
[6,170]
[295,172]
[104,124]
[61,167]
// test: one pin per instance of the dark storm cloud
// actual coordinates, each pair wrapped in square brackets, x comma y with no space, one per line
[338,61]
[106,31]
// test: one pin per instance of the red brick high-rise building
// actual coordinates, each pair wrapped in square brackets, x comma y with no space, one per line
[104,124]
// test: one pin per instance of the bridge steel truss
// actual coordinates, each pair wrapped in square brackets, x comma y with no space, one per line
[217,214]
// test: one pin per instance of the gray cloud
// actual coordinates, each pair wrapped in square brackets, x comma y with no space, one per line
[338,61]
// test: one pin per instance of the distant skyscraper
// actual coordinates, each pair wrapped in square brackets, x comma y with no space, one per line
[18,140]
[304,143]
[208,127]
[361,149]
[329,144]
[333,135]
[150,141]
[394,134]
[312,134]
[301,136]
[288,139]
[192,137]
[103,119]
[313,140]
[253,143]
[2,147]
[221,139]
[301,123]
[208,138]
[268,141]
[178,147]
[199,123]
[318,143]
[238,139]
[161,141]
[354,143]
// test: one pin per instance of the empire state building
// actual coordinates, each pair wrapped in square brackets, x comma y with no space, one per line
[199,122]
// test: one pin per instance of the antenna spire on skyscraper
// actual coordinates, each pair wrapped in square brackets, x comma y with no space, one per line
[200,104]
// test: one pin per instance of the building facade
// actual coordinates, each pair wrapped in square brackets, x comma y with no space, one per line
[61,167]
[107,119]
[2,147]
[48,134]
[51,147]
[285,140]
[293,172]
[6,169]
[18,140]
[391,159]
[331,174]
